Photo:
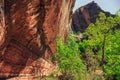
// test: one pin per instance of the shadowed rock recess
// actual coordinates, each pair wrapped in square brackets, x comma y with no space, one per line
[28,31]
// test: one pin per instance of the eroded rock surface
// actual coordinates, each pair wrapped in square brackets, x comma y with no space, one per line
[31,28]
[85,15]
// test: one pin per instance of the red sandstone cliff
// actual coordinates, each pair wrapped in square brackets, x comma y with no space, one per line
[28,32]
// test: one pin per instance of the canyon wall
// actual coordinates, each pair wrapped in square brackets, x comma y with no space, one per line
[28,33]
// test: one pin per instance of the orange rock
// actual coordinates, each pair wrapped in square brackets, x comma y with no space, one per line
[32,27]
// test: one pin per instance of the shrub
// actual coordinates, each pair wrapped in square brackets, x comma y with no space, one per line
[69,60]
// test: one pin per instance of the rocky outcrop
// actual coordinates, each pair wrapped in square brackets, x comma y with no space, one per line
[29,33]
[85,15]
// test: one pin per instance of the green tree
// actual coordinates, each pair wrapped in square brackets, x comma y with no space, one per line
[104,40]
[98,33]
[69,60]
[113,56]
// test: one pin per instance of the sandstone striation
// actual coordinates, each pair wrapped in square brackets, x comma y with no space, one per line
[29,34]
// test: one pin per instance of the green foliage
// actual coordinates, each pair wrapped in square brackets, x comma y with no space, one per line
[104,40]
[101,47]
[113,55]
[69,59]
[83,46]
[118,12]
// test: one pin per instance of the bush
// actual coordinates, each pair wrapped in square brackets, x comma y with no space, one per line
[69,60]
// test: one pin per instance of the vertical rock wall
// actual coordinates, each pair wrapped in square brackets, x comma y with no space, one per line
[31,28]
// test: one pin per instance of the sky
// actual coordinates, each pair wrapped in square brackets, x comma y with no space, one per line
[108,5]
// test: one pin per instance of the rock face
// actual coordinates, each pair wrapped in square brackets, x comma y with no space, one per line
[29,33]
[85,15]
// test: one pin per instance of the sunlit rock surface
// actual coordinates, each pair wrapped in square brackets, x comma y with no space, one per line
[28,32]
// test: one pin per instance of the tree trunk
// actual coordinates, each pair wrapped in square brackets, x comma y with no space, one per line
[103,51]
